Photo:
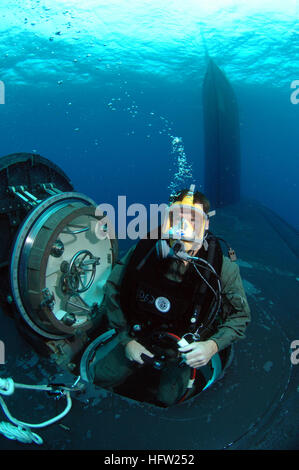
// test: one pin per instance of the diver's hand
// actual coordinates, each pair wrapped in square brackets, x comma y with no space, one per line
[199,353]
[134,350]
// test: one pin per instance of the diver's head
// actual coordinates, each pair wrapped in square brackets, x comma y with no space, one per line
[187,219]
[198,198]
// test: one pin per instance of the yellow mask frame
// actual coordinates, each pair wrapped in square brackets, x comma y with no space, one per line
[186,221]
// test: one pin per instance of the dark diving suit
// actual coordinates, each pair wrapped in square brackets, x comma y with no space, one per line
[165,296]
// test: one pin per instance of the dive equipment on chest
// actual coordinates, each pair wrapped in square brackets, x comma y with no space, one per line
[162,304]
[153,301]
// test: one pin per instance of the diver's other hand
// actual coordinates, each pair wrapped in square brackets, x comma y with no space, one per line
[134,350]
[199,353]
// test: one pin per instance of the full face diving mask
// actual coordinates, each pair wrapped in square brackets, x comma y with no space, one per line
[185,221]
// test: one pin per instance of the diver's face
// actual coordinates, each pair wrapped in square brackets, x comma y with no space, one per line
[199,228]
[188,224]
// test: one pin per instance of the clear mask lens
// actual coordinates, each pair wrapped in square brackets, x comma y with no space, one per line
[184,222]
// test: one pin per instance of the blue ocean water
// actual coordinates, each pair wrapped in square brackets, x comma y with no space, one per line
[111,91]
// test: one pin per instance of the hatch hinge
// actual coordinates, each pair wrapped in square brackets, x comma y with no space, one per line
[22,193]
[49,188]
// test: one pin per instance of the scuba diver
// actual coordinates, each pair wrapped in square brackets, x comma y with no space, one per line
[175,301]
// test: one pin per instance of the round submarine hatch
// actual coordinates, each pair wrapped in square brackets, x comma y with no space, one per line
[53,264]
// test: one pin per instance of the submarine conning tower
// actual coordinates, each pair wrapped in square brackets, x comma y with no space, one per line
[222,154]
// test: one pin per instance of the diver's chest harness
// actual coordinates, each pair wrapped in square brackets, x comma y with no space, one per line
[154,304]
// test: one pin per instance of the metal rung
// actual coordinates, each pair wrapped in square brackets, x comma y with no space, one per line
[50,189]
[16,193]
[28,194]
